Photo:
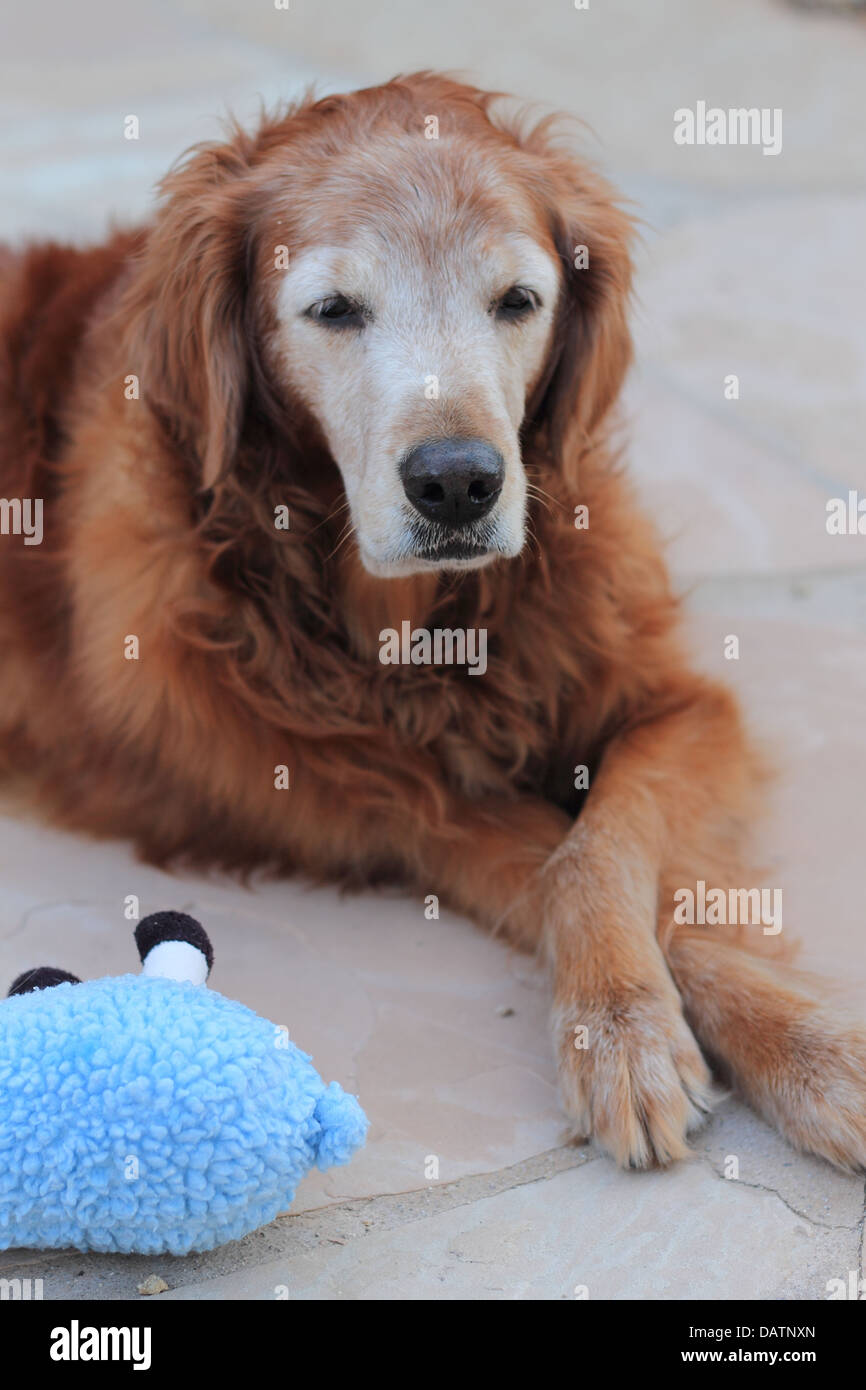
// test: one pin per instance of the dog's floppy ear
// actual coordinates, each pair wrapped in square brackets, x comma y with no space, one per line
[185,306]
[591,348]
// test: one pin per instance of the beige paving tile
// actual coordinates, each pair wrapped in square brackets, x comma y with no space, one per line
[822,1195]
[724,502]
[586,1234]
[622,67]
[69,79]
[804,686]
[772,293]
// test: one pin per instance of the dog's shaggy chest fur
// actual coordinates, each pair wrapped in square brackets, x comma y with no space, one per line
[171,657]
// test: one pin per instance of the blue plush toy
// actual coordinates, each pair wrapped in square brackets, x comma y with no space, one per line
[148,1113]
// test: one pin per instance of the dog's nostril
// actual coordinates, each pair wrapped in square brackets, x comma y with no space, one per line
[453,481]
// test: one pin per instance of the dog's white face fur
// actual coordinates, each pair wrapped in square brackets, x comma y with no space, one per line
[398,335]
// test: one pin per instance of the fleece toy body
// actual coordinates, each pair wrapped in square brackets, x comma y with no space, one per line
[141,1113]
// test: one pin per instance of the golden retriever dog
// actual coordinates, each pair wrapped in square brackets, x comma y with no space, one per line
[331,429]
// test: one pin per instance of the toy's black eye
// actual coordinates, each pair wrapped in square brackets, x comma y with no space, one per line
[338,311]
[43,977]
[174,946]
[516,303]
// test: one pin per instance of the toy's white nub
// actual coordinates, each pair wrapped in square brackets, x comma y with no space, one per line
[176,960]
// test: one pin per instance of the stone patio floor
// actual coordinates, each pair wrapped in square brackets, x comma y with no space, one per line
[749,265]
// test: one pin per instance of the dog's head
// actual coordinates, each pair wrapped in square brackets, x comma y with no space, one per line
[426,287]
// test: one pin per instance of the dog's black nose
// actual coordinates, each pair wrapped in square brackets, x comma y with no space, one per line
[453,481]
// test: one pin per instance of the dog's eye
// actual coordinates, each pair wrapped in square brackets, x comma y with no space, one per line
[338,311]
[516,302]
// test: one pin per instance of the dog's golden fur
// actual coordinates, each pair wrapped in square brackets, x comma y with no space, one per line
[259,647]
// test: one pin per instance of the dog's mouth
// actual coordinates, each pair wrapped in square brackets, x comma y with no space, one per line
[457,549]
[446,545]
[426,547]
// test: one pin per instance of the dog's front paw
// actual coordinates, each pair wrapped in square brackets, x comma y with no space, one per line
[631,1075]
[812,1083]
